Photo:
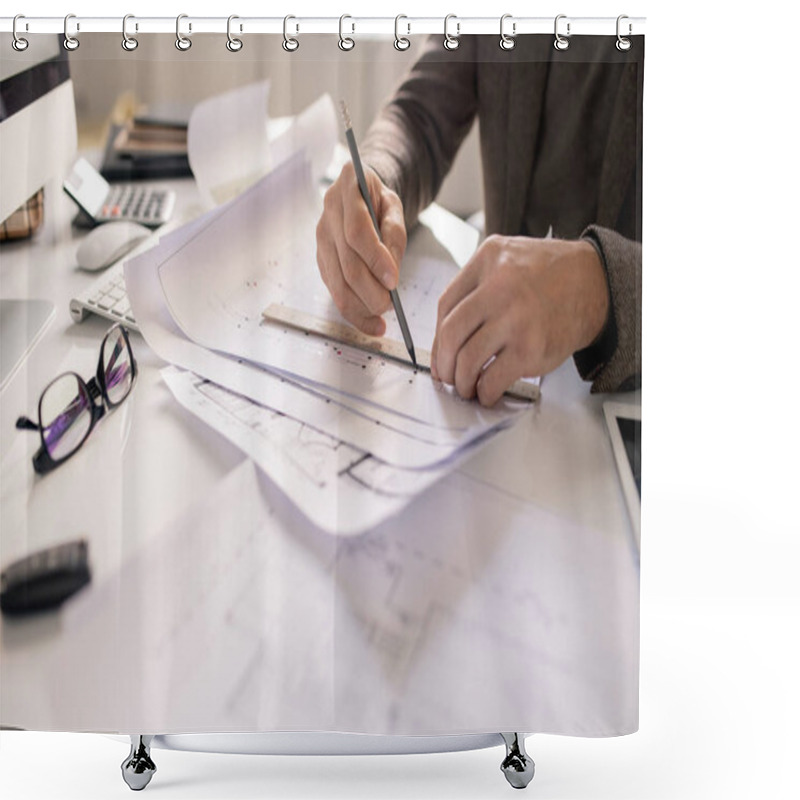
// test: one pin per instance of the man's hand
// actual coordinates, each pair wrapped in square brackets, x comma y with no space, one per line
[519,308]
[356,267]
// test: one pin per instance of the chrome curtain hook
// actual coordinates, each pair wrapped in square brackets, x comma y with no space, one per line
[451,42]
[233,44]
[129,43]
[507,42]
[70,42]
[182,42]
[561,42]
[345,42]
[401,42]
[290,44]
[17,42]
[623,44]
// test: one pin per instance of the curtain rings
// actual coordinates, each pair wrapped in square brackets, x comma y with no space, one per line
[182,42]
[345,42]
[233,44]
[401,42]
[623,44]
[451,42]
[507,42]
[70,42]
[290,44]
[129,43]
[561,42]
[17,42]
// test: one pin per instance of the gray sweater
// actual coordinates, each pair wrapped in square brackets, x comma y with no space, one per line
[561,145]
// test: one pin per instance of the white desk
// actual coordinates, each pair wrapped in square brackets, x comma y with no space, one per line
[149,461]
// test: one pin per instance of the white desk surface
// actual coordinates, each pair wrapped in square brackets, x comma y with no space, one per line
[149,461]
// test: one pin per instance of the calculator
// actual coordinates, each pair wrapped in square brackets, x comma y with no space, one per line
[101,202]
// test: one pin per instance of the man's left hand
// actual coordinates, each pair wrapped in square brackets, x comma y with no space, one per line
[520,307]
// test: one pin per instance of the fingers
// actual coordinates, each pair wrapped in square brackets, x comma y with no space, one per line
[462,286]
[497,377]
[361,236]
[455,332]
[484,365]
[479,350]
[355,265]
[360,281]
[351,306]
[463,306]
[475,348]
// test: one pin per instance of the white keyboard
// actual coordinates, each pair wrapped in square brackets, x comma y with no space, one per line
[107,297]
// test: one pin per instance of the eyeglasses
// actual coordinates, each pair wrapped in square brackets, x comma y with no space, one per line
[69,408]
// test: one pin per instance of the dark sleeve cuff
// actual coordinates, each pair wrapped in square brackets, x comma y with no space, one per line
[613,362]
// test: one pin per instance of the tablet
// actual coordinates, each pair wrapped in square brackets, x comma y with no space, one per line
[624,421]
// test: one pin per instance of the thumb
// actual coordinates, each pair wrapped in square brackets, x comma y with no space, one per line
[393,226]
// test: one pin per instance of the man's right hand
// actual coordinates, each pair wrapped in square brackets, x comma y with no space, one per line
[359,269]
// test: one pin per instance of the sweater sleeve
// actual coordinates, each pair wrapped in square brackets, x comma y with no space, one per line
[414,139]
[613,362]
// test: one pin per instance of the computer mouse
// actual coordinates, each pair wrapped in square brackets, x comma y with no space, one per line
[108,243]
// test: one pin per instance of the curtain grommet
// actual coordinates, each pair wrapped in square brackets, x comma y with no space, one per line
[183,43]
[346,43]
[623,43]
[18,42]
[561,42]
[290,44]
[129,43]
[401,43]
[233,44]
[507,42]
[70,42]
[451,42]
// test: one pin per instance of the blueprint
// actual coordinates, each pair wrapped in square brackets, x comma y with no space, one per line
[390,436]
[350,436]
[340,488]
[457,618]
[220,307]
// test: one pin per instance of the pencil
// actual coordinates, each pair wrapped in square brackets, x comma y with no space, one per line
[362,185]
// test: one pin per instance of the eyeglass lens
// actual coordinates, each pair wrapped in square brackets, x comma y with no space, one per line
[117,368]
[65,415]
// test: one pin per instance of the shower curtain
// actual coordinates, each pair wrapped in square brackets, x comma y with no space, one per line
[289,526]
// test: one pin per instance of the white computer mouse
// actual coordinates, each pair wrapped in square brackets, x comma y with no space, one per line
[108,243]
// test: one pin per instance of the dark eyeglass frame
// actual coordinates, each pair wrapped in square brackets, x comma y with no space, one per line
[94,390]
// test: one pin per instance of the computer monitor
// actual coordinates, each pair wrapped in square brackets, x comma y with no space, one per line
[38,129]
[38,144]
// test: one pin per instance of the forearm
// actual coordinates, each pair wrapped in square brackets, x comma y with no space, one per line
[413,141]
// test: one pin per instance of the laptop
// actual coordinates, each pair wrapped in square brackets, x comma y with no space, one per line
[22,324]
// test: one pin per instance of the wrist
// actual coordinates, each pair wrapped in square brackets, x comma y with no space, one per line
[595,304]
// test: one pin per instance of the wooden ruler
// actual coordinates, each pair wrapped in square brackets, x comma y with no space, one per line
[376,345]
